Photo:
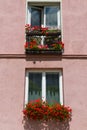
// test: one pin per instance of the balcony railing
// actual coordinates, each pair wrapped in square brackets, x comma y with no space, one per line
[43,41]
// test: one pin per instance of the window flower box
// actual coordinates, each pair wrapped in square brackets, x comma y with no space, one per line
[39,110]
[29,51]
[43,41]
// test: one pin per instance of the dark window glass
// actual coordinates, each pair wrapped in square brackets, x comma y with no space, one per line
[35,83]
[35,17]
[52,87]
[51,16]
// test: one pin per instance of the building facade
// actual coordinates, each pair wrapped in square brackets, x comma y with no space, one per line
[18,67]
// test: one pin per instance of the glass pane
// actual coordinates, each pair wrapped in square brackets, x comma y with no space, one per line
[35,17]
[35,80]
[52,87]
[51,16]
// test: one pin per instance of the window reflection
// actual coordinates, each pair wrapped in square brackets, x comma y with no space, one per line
[35,80]
[51,16]
[52,87]
[35,17]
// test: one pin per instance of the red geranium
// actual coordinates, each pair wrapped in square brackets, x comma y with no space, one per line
[39,110]
[58,45]
[36,35]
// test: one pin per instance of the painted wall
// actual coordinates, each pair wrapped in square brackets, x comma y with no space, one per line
[12,70]
[12,75]
[12,21]
[75,26]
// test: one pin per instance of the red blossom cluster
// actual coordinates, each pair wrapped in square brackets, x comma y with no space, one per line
[39,110]
[58,45]
[32,45]
[28,27]
[43,46]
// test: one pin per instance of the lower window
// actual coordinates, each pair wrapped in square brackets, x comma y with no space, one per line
[46,85]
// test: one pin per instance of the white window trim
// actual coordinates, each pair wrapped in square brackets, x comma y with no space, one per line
[26,87]
[44,84]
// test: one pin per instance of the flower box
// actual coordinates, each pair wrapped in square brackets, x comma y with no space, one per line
[41,40]
[39,110]
[28,51]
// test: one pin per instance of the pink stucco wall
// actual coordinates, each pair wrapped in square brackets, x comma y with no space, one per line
[12,70]
[12,75]
[12,21]
[75,26]
[11,94]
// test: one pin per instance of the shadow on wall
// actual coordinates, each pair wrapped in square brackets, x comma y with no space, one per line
[45,125]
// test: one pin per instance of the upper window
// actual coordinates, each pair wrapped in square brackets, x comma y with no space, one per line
[46,16]
[43,28]
[46,85]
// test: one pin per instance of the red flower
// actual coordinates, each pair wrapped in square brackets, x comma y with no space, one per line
[26,44]
[44,29]
[35,28]
[27,26]
[43,46]
[39,110]
[61,43]
[25,112]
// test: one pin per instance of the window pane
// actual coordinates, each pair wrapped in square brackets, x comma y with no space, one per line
[52,87]
[35,80]
[35,17]
[51,16]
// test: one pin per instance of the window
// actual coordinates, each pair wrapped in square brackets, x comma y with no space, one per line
[46,85]
[43,28]
[46,15]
